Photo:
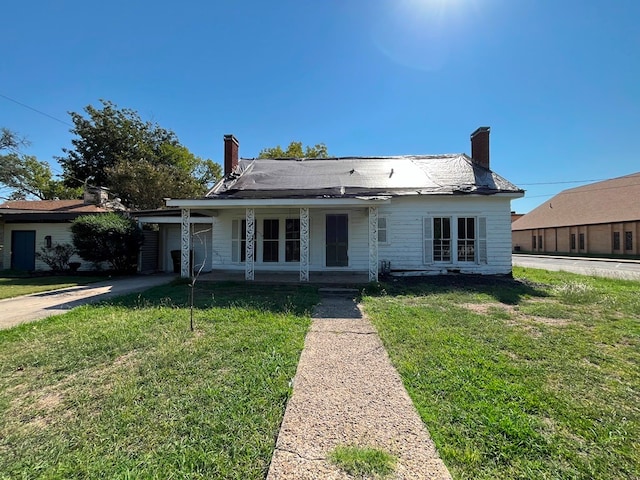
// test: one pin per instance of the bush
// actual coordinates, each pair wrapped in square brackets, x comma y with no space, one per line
[56,257]
[108,237]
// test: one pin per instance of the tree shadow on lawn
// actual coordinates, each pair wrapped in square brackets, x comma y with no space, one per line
[503,289]
[296,299]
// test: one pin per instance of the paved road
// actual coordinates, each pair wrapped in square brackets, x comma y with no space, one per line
[14,311]
[613,268]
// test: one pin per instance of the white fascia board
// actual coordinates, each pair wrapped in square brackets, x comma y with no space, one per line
[275,202]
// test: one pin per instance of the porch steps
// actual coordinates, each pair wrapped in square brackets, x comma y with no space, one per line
[338,292]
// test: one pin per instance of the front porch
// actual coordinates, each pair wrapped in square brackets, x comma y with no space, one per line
[285,278]
[332,241]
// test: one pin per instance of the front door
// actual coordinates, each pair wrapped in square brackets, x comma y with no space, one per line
[23,250]
[337,240]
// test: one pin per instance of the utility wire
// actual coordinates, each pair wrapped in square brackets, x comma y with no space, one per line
[36,110]
[560,183]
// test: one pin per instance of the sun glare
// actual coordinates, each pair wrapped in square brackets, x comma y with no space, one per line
[419,33]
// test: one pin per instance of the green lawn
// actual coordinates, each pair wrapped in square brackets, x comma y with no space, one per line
[537,378]
[16,286]
[126,390]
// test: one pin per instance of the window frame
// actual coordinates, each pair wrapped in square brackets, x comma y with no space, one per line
[444,243]
[269,241]
[479,245]
[292,241]
[465,241]
[385,229]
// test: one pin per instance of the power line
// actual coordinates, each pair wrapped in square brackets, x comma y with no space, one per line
[560,183]
[36,110]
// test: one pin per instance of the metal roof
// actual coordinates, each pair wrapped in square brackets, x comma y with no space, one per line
[344,177]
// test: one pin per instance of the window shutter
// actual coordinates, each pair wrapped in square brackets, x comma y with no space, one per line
[235,241]
[427,236]
[482,240]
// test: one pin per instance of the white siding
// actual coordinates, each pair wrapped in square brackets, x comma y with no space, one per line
[60,233]
[405,242]
[404,247]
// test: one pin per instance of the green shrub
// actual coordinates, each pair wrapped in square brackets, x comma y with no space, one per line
[109,237]
[57,256]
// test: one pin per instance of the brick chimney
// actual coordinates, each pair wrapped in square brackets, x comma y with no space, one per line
[230,153]
[480,146]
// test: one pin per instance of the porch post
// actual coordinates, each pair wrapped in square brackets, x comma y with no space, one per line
[304,244]
[185,244]
[250,233]
[373,244]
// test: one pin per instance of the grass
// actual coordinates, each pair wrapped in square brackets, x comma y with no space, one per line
[126,390]
[15,286]
[363,462]
[532,378]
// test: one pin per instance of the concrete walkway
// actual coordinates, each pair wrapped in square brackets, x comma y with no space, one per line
[27,308]
[346,392]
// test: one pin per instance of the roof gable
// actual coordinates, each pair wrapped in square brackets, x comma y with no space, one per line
[615,200]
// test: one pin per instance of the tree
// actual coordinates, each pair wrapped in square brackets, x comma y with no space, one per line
[109,237]
[295,150]
[28,177]
[25,175]
[137,160]
[11,140]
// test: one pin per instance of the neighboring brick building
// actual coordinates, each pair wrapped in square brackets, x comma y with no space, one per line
[602,218]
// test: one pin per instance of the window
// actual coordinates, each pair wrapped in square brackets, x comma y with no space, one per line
[628,240]
[573,241]
[581,240]
[533,241]
[616,240]
[382,229]
[270,240]
[540,242]
[239,241]
[466,236]
[292,240]
[442,239]
[466,239]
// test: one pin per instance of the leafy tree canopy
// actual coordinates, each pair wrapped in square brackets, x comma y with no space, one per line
[28,177]
[295,150]
[137,160]
[25,175]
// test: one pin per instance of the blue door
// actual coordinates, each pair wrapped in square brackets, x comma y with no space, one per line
[23,250]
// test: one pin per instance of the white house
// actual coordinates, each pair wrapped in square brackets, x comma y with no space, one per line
[26,226]
[423,214]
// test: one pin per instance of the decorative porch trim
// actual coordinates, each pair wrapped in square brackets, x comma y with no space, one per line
[249,273]
[185,243]
[304,244]
[373,244]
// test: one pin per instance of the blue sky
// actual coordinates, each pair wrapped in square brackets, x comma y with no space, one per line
[558,81]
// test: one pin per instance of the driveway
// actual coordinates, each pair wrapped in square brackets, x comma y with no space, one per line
[602,267]
[28,308]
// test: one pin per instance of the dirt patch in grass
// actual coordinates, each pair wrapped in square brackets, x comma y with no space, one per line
[517,318]
[41,406]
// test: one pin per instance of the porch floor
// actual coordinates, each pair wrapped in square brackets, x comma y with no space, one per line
[315,278]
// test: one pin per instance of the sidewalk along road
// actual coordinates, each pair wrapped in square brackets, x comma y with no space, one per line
[604,267]
[14,311]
